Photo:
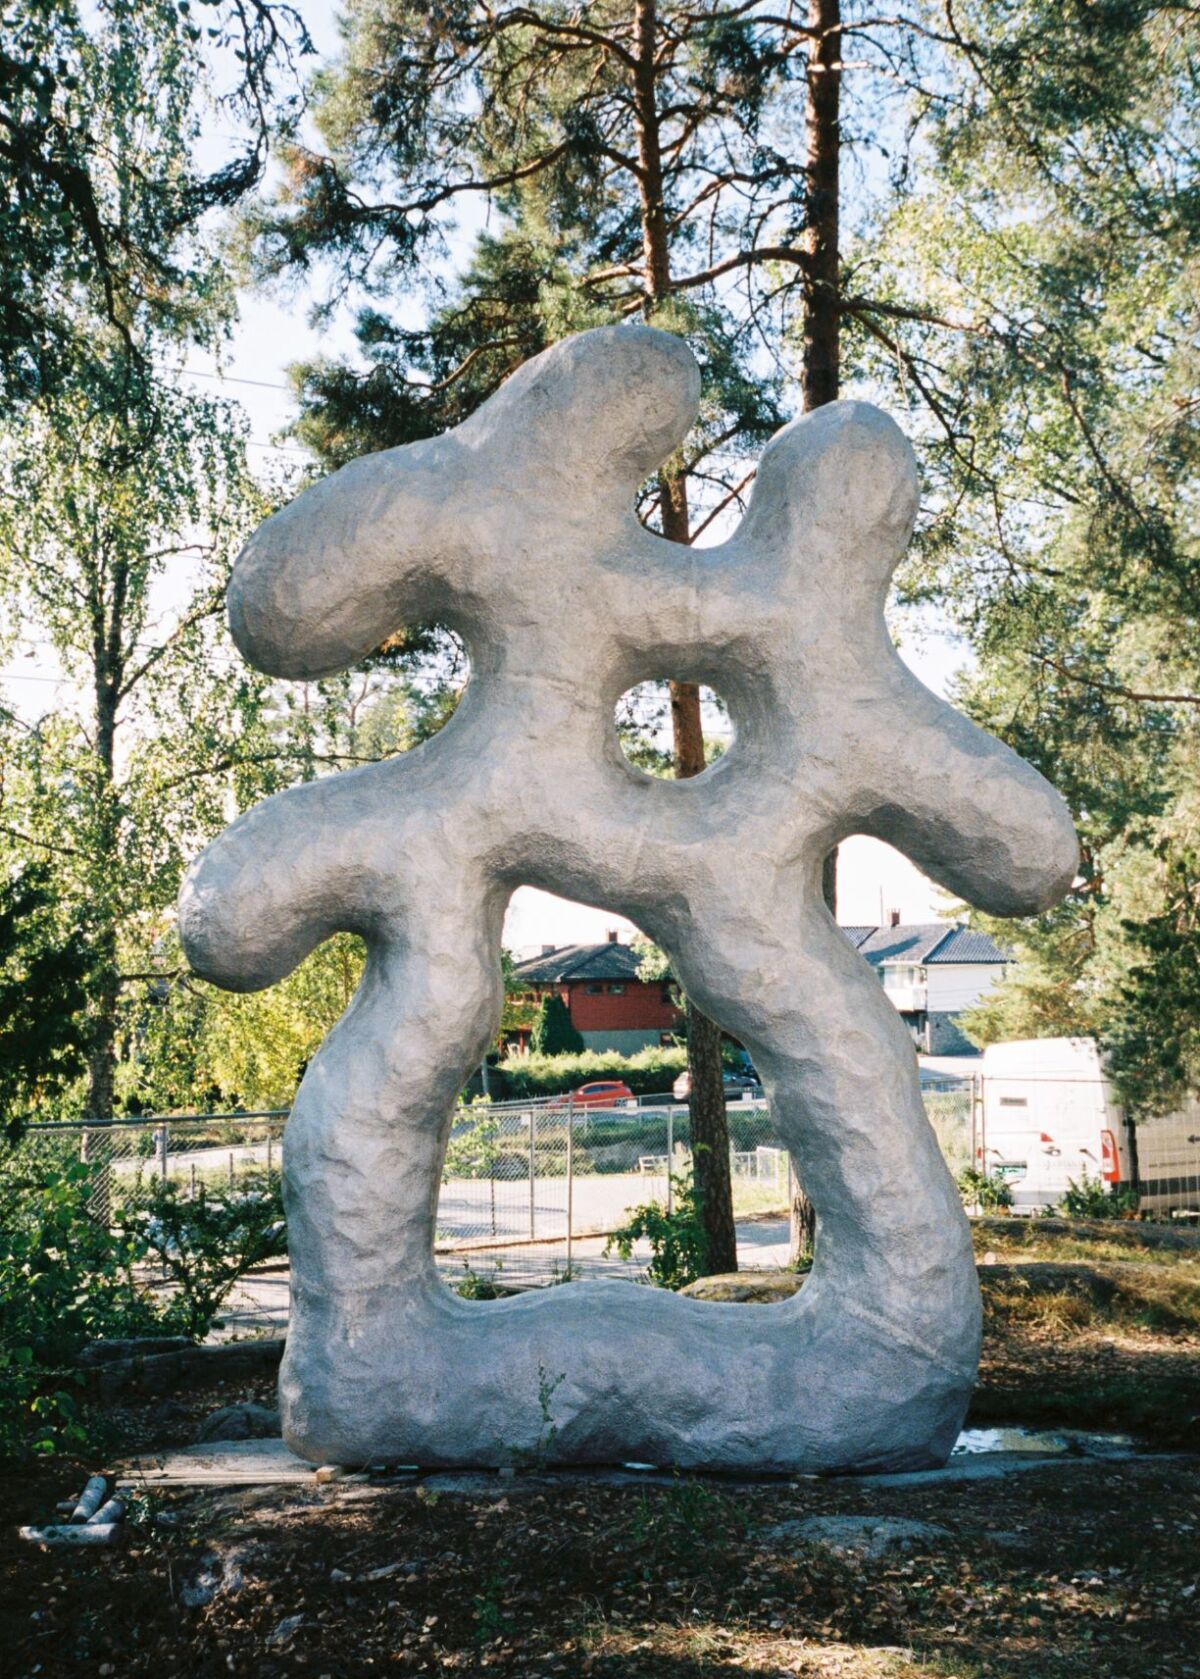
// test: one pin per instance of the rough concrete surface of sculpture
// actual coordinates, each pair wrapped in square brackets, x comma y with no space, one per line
[518,531]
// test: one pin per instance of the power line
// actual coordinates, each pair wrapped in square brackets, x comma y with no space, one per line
[279,448]
[227,378]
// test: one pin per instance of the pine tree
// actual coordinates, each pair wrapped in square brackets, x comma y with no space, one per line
[45,966]
[553,1032]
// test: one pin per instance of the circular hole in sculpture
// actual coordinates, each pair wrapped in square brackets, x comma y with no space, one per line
[673,730]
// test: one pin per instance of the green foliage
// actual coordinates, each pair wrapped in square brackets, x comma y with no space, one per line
[112,797]
[471,1286]
[651,1072]
[474,1149]
[105,215]
[206,1243]
[554,155]
[64,1280]
[1093,1198]
[252,1050]
[678,1245]
[1042,260]
[1154,1040]
[989,1191]
[68,1277]
[553,1034]
[44,969]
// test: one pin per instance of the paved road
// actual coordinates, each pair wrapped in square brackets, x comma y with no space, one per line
[260,1304]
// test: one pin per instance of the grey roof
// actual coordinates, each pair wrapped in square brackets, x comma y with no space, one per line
[924,943]
[858,936]
[966,944]
[580,961]
[919,943]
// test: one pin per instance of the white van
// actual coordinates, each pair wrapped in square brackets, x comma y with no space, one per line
[1047,1115]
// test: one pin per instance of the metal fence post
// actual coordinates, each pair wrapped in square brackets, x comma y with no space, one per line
[532,1171]
[268,1158]
[670,1154]
[570,1174]
[163,1152]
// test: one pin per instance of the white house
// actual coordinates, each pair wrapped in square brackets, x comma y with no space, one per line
[932,971]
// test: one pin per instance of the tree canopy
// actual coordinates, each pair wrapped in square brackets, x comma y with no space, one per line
[105,205]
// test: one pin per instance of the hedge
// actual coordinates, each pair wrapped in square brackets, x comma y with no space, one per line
[651,1072]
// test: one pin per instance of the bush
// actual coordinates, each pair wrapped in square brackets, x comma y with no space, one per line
[206,1244]
[651,1072]
[1093,1198]
[678,1246]
[64,1280]
[988,1191]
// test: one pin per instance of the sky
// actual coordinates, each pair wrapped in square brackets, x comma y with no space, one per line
[873,879]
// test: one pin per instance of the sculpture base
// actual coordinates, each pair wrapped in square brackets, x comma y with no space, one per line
[606,1373]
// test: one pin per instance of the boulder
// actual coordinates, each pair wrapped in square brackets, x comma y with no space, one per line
[750,1288]
[239,1422]
[861,1535]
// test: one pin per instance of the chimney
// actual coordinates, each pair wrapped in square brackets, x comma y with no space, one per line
[893,918]
[549,949]
[612,936]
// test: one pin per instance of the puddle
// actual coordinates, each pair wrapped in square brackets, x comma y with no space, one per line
[1072,1442]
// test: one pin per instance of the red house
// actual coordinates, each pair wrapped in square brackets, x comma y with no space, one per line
[610,1007]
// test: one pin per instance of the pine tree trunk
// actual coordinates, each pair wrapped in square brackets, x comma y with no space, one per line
[821,365]
[821,371]
[710,1144]
[820,377]
[706,1103]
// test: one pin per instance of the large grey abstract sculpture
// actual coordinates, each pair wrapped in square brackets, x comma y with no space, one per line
[518,530]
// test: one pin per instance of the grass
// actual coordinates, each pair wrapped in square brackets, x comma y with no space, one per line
[1090,1325]
[1118,1240]
[1067,1296]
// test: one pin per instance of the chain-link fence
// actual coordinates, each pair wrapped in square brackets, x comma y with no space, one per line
[531,1190]
[195,1152]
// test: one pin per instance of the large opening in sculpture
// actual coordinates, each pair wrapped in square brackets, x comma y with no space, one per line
[578,1120]
[647,733]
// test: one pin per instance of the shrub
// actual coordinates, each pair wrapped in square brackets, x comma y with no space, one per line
[553,1033]
[651,1072]
[64,1280]
[1093,1198]
[678,1246]
[207,1243]
[988,1191]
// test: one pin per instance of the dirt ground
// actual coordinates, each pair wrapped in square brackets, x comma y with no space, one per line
[1084,1569]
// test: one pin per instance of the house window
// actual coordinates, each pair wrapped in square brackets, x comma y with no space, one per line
[616,990]
[594,990]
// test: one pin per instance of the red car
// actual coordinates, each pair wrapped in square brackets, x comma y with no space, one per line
[603,1093]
